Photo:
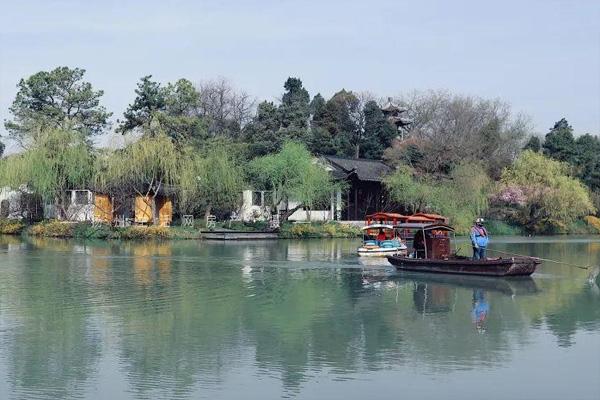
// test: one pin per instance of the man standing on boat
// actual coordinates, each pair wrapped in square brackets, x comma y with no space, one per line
[479,239]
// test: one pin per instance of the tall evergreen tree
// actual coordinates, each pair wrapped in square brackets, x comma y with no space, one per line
[534,144]
[150,99]
[170,109]
[378,132]
[560,143]
[262,133]
[295,105]
[294,111]
[56,99]
[334,127]
[320,139]
[587,160]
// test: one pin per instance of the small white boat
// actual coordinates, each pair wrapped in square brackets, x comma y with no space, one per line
[380,240]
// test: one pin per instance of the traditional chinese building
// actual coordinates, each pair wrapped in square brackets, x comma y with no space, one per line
[364,193]
[396,115]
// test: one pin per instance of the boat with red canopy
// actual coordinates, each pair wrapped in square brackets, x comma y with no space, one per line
[432,253]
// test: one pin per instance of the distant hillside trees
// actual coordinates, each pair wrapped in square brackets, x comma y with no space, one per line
[57,99]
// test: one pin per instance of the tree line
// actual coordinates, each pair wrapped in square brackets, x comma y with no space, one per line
[205,142]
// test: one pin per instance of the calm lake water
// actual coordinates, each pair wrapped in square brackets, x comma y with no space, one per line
[291,319]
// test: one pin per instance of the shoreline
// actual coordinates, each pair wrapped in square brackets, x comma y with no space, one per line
[314,230]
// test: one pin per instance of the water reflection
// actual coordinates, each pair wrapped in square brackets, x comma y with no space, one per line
[480,311]
[180,319]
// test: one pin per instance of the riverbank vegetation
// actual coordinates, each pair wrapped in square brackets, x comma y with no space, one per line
[319,230]
[86,230]
[204,143]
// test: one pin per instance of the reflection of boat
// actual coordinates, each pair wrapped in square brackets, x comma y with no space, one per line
[432,298]
[432,254]
[509,286]
[380,240]
[374,262]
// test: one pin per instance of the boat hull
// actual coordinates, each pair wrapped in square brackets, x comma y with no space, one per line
[515,266]
[379,252]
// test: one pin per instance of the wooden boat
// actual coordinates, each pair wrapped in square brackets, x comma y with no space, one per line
[432,254]
[514,266]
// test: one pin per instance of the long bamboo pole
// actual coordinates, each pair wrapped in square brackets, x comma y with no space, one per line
[543,259]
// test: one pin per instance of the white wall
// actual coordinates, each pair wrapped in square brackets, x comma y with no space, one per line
[249,212]
[81,212]
[14,202]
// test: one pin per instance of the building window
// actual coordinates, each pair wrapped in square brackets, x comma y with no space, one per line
[257,199]
[81,197]
[4,209]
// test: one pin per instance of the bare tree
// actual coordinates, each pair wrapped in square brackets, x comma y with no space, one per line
[451,128]
[226,108]
[357,115]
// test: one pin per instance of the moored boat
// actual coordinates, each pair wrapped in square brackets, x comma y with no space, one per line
[380,240]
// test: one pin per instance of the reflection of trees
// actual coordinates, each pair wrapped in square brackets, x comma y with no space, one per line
[185,314]
[178,320]
[582,311]
[53,348]
[567,302]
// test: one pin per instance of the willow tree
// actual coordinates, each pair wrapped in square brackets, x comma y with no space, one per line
[59,160]
[294,176]
[145,168]
[461,197]
[211,180]
[552,198]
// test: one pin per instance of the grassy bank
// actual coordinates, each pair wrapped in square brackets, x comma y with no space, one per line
[319,230]
[84,230]
[11,227]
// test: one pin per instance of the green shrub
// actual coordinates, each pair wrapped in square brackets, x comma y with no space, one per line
[319,230]
[11,227]
[496,227]
[580,227]
[85,230]
[180,232]
[593,222]
[144,232]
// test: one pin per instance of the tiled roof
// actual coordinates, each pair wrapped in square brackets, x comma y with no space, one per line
[366,170]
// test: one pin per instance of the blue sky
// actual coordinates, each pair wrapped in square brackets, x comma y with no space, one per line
[543,57]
